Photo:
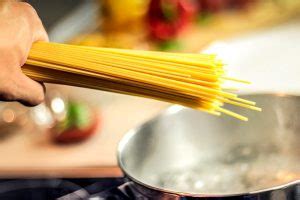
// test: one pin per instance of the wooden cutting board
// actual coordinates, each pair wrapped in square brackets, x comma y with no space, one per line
[30,152]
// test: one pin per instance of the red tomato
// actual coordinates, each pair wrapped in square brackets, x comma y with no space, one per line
[74,134]
[166,18]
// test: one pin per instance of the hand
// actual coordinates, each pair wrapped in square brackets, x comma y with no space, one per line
[20,26]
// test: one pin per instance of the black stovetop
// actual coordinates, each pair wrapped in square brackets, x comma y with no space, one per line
[91,188]
[109,189]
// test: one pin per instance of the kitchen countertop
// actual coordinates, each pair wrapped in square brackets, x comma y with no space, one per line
[31,153]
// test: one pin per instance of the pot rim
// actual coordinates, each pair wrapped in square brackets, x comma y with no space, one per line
[174,109]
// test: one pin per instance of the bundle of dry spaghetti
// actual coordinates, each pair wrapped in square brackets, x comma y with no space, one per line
[193,80]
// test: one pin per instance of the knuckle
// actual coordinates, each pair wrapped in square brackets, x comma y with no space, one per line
[29,10]
[27,6]
[35,23]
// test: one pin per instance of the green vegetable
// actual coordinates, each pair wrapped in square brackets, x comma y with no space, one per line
[170,45]
[78,116]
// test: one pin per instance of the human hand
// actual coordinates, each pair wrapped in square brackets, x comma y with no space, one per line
[20,26]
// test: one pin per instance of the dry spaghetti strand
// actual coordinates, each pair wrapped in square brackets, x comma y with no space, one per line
[193,80]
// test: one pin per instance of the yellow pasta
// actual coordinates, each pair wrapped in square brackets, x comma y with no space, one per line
[193,80]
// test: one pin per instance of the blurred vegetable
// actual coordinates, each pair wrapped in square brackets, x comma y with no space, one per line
[79,124]
[166,18]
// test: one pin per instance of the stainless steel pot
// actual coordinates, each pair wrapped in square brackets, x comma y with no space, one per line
[184,153]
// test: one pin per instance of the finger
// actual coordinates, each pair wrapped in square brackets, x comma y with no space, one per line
[40,33]
[29,92]
[38,30]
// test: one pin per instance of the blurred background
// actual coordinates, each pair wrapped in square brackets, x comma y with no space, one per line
[76,131]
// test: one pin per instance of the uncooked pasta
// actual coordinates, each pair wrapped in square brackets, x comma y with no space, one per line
[193,80]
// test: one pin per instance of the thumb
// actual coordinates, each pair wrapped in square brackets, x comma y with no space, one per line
[29,92]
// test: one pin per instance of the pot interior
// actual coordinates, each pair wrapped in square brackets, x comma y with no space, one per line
[187,151]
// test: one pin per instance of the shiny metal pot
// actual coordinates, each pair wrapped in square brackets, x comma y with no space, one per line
[184,153]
